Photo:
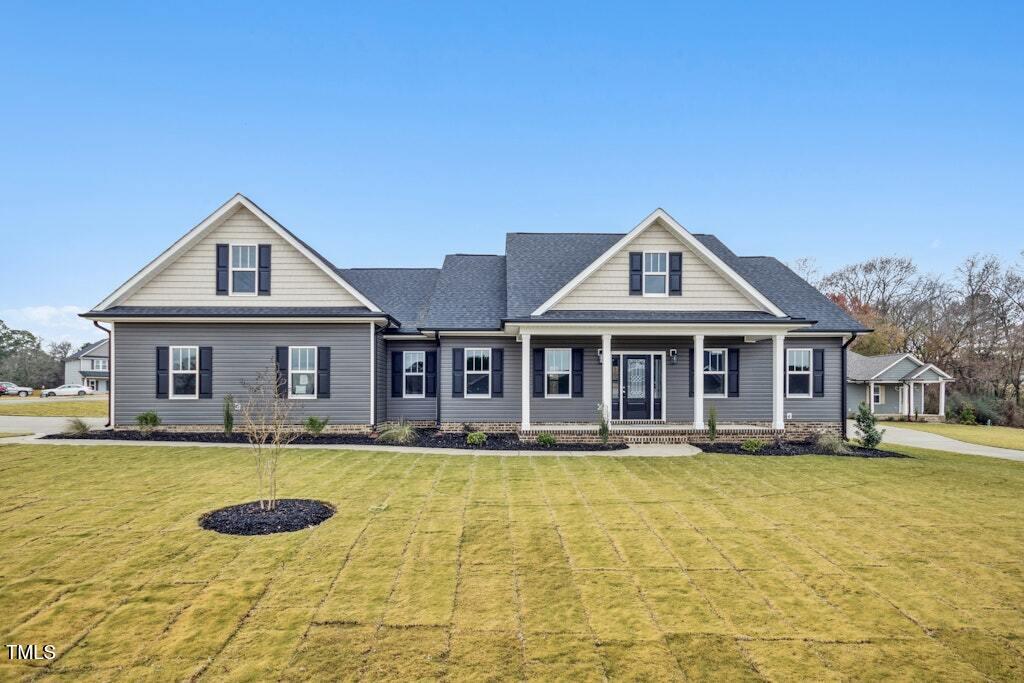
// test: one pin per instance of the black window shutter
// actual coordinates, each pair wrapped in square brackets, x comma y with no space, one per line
[819,372]
[264,270]
[323,372]
[222,269]
[734,372]
[161,371]
[538,373]
[431,374]
[205,372]
[397,363]
[577,373]
[636,273]
[281,361]
[458,368]
[497,373]
[691,371]
[675,273]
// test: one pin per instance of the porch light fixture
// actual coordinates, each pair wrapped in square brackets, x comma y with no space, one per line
[673,356]
[600,355]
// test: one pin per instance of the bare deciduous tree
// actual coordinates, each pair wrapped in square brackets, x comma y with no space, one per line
[266,417]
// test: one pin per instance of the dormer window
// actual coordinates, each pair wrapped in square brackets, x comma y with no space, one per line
[244,263]
[655,273]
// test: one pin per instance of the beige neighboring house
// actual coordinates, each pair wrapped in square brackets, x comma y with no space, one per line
[90,366]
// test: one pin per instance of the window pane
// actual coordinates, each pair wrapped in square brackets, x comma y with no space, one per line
[558,385]
[714,384]
[799,384]
[714,361]
[185,385]
[243,257]
[636,378]
[304,358]
[302,383]
[478,384]
[799,361]
[478,360]
[183,359]
[414,361]
[655,263]
[414,384]
[243,281]
[655,284]
[558,360]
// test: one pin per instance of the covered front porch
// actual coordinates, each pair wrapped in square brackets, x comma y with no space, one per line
[903,399]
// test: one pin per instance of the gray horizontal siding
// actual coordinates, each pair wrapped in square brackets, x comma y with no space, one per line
[399,408]
[678,405]
[827,408]
[574,409]
[504,409]
[240,352]
[855,395]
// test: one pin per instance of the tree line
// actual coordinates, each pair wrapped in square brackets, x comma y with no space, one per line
[25,360]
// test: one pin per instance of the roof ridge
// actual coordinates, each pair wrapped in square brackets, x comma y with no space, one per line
[391,268]
[552,232]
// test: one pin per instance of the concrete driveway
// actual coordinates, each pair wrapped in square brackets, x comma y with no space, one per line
[38,399]
[42,425]
[912,437]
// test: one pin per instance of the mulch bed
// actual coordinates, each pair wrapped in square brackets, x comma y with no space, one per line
[793,448]
[247,519]
[429,438]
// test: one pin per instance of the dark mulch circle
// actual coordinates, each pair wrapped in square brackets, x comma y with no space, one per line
[788,448]
[247,519]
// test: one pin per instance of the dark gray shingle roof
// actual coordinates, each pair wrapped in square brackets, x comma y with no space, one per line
[404,293]
[87,349]
[469,294]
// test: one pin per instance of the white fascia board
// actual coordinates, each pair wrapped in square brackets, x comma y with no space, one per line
[655,329]
[896,362]
[196,233]
[231,319]
[930,366]
[689,240]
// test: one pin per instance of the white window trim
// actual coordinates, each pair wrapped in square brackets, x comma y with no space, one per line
[809,372]
[881,395]
[644,273]
[316,361]
[664,378]
[231,270]
[100,360]
[465,373]
[171,372]
[724,372]
[547,372]
[406,373]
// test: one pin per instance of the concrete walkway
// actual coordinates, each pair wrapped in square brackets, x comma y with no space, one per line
[937,442]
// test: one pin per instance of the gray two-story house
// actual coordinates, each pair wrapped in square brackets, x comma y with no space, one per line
[89,366]
[656,329]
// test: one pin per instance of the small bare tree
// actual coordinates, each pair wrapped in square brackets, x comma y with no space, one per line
[267,420]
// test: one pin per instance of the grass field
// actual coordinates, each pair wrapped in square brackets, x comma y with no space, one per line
[737,568]
[4,435]
[1000,437]
[49,407]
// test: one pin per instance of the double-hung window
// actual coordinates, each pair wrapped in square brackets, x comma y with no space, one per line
[714,372]
[478,373]
[302,371]
[557,367]
[99,363]
[655,273]
[413,365]
[878,396]
[798,373]
[184,372]
[244,261]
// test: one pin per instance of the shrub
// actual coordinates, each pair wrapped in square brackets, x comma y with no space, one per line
[602,424]
[76,426]
[978,407]
[867,425]
[147,421]
[967,415]
[753,446]
[401,433]
[476,438]
[229,414]
[546,439]
[826,442]
[712,424]
[314,425]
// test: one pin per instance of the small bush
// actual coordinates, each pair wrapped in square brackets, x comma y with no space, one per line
[967,416]
[981,408]
[476,438]
[546,439]
[867,425]
[229,414]
[712,424]
[829,443]
[76,426]
[753,446]
[314,425]
[602,424]
[401,433]
[147,421]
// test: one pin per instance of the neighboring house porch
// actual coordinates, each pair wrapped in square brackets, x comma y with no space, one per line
[894,386]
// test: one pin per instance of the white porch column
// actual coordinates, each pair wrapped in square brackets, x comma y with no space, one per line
[942,399]
[524,382]
[871,396]
[698,381]
[606,376]
[911,412]
[778,381]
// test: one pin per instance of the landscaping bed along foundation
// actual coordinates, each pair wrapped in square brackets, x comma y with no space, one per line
[249,519]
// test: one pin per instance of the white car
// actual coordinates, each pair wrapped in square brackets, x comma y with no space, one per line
[69,390]
[12,389]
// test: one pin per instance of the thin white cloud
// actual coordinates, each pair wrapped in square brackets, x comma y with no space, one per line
[935,243]
[52,323]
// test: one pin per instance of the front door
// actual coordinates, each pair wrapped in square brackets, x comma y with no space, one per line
[636,381]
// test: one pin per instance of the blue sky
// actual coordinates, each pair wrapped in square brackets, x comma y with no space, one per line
[838,132]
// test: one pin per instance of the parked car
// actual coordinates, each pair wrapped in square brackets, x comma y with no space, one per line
[12,389]
[69,390]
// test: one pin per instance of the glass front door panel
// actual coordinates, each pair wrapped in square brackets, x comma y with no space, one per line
[636,382]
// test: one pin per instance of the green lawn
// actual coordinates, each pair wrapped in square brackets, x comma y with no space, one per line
[4,435]
[48,407]
[471,567]
[1000,437]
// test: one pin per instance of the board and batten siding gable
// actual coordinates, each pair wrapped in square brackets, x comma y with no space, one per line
[704,289]
[190,278]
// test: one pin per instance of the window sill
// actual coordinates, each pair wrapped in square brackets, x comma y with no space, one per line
[475,397]
[413,396]
[182,398]
[557,397]
[303,398]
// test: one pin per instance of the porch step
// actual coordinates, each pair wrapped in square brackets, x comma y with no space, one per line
[653,433]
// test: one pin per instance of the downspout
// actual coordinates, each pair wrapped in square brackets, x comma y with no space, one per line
[842,400]
[110,374]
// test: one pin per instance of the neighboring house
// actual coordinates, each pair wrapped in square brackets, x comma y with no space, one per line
[535,339]
[90,366]
[893,385]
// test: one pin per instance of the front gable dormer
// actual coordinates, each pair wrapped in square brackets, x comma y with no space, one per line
[658,266]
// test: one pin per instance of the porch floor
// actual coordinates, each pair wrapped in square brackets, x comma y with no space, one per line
[646,425]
